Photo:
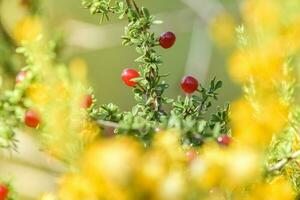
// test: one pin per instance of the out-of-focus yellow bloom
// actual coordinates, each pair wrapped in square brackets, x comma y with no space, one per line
[264,64]
[225,167]
[243,166]
[27,29]
[256,125]
[172,187]
[261,13]
[154,167]
[89,131]
[223,30]
[168,142]
[78,69]
[48,196]
[115,159]
[240,66]
[76,187]
[278,189]
[244,125]
[38,93]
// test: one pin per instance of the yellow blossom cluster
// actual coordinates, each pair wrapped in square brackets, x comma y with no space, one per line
[264,64]
[121,169]
[56,93]
[27,29]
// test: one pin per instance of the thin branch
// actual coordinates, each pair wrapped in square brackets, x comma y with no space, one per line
[108,124]
[128,3]
[279,165]
[136,7]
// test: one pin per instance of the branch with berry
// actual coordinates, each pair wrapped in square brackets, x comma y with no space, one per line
[150,114]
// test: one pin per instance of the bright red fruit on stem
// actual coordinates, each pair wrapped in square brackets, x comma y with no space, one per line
[31,119]
[167,40]
[87,102]
[224,140]
[128,75]
[191,155]
[189,84]
[21,76]
[3,192]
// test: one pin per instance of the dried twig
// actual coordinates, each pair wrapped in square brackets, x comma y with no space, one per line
[279,165]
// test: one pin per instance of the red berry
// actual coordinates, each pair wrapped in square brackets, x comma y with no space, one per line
[21,76]
[3,192]
[191,155]
[129,74]
[87,102]
[224,140]
[189,84]
[167,40]
[32,119]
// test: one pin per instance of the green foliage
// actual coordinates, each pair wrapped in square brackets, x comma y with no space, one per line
[153,111]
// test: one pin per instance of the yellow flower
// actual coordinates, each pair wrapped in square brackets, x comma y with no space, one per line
[78,69]
[48,196]
[76,187]
[172,187]
[240,66]
[38,94]
[223,30]
[112,161]
[261,13]
[90,131]
[169,143]
[278,189]
[27,29]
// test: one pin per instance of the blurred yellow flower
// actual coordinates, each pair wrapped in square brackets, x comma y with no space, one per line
[48,196]
[112,161]
[78,69]
[261,13]
[223,30]
[27,29]
[76,187]
[38,93]
[89,131]
[278,189]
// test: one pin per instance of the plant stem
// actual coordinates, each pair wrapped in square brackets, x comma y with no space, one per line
[136,7]
[279,165]
[128,3]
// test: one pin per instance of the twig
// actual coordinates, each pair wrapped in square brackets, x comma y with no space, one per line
[279,165]
[108,124]
[128,3]
[136,7]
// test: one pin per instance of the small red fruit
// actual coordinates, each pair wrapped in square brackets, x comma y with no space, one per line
[31,119]
[167,40]
[87,102]
[21,76]
[129,74]
[191,155]
[224,140]
[189,84]
[3,192]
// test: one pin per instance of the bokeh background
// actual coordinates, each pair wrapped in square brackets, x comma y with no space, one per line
[205,38]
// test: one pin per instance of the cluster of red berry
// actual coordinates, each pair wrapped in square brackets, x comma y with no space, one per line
[189,84]
[32,117]
[3,192]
